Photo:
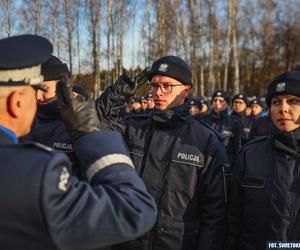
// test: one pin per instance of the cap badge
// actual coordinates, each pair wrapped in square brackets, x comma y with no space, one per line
[163,67]
[280,87]
[219,93]
[241,96]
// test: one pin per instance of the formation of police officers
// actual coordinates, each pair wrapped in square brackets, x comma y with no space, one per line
[174,173]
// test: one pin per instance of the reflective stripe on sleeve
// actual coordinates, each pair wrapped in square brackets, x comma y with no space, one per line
[106,161]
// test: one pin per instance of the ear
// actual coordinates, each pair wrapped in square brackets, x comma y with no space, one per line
[187,90]
[15,104]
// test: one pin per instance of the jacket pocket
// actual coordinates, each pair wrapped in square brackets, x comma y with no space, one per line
[253,182]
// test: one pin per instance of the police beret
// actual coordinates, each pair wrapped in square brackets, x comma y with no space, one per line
[223,94]
[173,67]
[286,83]
[21,59]
[195,101]
[242,97]
[258,102]
[136,99]
[148,96]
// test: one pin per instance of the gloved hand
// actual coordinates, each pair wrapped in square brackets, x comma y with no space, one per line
[126,86]
[79,115]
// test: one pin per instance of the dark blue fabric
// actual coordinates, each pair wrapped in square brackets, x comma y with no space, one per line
[36,213]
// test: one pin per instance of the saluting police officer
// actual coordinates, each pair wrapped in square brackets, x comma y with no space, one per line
[180,160]
[42,205]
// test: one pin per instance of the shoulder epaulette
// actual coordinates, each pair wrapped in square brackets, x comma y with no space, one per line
[219,135]
[38,145]
[138,116]
[255,140]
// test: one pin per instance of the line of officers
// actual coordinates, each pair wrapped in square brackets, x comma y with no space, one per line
[164,178]
[236,118]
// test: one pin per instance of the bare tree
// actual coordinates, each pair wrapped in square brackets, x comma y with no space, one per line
[30,13]
[211,25]
[70,28]
[234,7]
[77,7]
[228,45]
[195,35]
[94,13]
[6,9]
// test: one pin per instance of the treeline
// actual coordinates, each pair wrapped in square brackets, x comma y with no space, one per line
[236,45]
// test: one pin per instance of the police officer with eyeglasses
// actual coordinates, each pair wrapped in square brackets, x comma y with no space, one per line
[181,160]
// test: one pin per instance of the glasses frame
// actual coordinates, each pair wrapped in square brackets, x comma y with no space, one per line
[154,86]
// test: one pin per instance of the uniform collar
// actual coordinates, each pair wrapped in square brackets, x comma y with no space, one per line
[220,114]
[7,136]
[172,117]
[286,142]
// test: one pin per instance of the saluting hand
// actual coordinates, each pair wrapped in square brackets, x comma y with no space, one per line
[79,115]
[126,86]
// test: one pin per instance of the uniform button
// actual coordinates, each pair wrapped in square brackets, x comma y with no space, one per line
[161,229]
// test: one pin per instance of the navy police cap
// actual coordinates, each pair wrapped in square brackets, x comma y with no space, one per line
[21,59]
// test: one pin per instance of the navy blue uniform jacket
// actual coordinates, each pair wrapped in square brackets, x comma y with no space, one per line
[44,207]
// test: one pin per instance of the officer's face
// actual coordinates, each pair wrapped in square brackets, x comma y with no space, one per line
[204,108]
[168,92]
[144,104]
[45,97]
[239,105]
[150,103]
[219,104]
[285,112]
[194,110]
[135,106]
[256,109]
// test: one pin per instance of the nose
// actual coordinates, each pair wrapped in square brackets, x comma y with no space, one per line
[39,95]
[284,107]
[157,91]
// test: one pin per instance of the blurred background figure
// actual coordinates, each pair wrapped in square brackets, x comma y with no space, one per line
[194,106]
[257,107]
[150,102]
[144,104]
[80,90]
[135,104]
[205,107]
[239,107]
[219,119]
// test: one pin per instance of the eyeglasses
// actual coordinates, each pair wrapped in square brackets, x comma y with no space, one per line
[165,88]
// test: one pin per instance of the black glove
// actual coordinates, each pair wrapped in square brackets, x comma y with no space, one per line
[79,115]
[125,86]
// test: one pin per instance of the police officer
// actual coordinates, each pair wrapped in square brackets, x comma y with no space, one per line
[257,107]
[265,204]
[135,105]
[42,205]
[48,127]
[239,106]
[150,102]
[194,106]
[219,119]
[180,160]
